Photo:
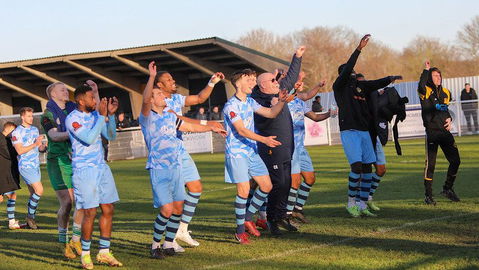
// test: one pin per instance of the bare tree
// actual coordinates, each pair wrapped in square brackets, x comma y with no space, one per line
[469,38]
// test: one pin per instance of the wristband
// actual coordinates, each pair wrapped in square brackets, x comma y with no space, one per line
[210,84]
[203,122]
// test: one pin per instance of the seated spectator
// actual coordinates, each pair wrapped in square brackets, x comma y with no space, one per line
[201,115]
[215,114]
[317,107]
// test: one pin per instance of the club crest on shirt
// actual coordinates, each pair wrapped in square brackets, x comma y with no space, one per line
[358,89]
[14,138]
[232,115]
[76,125]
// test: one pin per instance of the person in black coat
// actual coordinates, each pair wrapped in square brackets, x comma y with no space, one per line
[469,106]
[10,179]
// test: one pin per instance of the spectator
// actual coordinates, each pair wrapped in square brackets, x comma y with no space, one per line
[317,105]
[122,121]
[469,106]
[201,115]
[215,114]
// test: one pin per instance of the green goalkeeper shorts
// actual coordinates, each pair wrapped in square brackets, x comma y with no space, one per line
[60,172]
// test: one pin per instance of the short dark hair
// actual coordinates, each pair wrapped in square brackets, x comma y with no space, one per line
[316,97]
[240,73]
[158,76]
[9,124]
[25,109]
[359,75]
[467,84]
[80,91]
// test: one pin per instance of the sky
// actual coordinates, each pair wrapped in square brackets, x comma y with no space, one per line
[33,29]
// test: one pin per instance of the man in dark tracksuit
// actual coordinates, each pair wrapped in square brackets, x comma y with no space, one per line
[355,124]
[437,121]
[278,159]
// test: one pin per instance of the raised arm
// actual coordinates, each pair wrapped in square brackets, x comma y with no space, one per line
[293,71]
[373,85]
[148,91]
[421,87]
[307,95]
[109,130]
[348,68]
[52,131]
[206,92]
[318,117]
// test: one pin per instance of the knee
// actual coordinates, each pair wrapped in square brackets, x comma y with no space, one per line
[167,210]
[266,187]
[195,186]
[107,211]
[356,167]
[89,213]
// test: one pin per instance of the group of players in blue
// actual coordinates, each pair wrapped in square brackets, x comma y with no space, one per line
[171,168]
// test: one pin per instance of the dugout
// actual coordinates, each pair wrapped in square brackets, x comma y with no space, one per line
[124,72]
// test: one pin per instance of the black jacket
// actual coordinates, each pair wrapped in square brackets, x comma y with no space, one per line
[351,94]
[9,178]
[465,96]
[282,125]
[430,95]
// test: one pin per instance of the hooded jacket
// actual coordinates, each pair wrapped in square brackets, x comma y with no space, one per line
[432,96]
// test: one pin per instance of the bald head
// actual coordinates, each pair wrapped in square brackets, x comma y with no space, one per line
[267,83]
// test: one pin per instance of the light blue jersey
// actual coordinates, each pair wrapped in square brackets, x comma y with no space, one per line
[298,109]
[236,145]
[27,137]
[159,131]
[85,130]
[176,103]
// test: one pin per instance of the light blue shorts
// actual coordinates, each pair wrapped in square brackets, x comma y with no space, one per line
[380,156]
[30,175]
[167,186]
[358,146]
[301,161]
[238,170]
[93,186]
[189,172]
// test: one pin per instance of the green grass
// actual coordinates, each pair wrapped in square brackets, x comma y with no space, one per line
[406,235]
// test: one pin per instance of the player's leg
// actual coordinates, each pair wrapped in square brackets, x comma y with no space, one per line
[11,201]
[170,247]
[351,146]
[108,195]
[431,155]
[295,181]
[191,177]
[307,172]
[449,147]
[237,172]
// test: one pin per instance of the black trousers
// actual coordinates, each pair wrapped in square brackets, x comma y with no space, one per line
[280,175]
[445,140]
[468,114]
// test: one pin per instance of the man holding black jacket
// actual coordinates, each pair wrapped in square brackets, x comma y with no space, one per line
[278,159]
[355,125]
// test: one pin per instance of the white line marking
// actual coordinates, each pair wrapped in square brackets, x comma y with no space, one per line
[219,189]
[309,248]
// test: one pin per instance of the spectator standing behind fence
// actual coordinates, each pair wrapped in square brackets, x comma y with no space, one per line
[317,107]
[201,115]
[469,107]
[215,114]
[122,121]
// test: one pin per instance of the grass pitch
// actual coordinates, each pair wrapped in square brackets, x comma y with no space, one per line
[406,235]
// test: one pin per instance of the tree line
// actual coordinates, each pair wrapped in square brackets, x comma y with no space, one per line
[328,47]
